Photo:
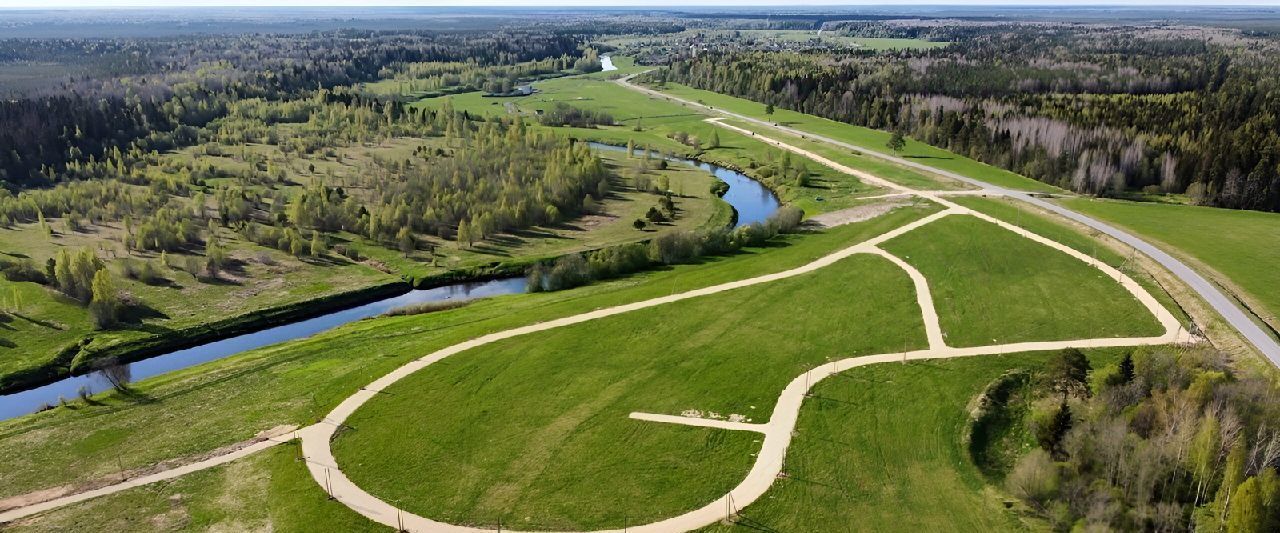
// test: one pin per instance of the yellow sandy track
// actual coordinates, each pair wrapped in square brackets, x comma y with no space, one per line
[777,431]
[324,468]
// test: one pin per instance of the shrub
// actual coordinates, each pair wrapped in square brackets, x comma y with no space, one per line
[675,247]
[428,307]
[668,248]
[143,271]
[563,114]
[1034,478]
[617,261]
[786,219]
[568,271]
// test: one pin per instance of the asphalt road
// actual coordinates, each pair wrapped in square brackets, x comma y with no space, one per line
[1231,312]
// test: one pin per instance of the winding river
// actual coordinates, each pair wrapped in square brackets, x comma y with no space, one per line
[752,201]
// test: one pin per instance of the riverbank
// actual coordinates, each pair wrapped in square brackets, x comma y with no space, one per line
[188,412]
[82,358]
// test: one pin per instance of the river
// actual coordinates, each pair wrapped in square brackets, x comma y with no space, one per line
[20,403]
[752,201]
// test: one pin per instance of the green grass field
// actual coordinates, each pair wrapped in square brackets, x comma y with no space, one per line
[535,430]
[848,458]
[1078,238]
[267,491]
[658,119]
[193,411]
[992,286]
[868,139]
[880,448]
[1243,247]
[899,174]
[45,322]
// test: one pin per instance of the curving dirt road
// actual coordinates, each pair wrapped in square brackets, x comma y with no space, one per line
[1225,306]
[778,430]
[316,439]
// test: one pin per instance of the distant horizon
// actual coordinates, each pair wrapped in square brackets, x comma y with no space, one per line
[302,4]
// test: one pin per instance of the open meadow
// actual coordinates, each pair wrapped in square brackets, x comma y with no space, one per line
[577,269]
[654,124]
[1240,248]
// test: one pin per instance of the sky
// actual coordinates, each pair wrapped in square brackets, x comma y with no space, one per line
[682,3]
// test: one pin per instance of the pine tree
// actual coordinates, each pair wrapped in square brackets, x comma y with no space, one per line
[1058,428]
[1126,368]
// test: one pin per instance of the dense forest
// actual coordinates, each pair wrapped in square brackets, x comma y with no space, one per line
[1163,440]
[1097,110]
[152,95]
[498,176]
[169,161]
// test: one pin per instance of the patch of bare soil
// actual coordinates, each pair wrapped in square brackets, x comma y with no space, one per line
[857,213]
[594,221]
[379,266]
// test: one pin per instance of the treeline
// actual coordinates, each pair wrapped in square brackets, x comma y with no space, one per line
[504,177]
[563,114]
[1095,110]
[1161,441]
[668,248]
[436,78]
[177,85]
[499,175]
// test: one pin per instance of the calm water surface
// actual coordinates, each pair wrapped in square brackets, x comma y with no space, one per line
[28,401]
[753,202]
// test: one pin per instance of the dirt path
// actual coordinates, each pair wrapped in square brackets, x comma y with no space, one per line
[316,439]
[269,441]
[1237,317]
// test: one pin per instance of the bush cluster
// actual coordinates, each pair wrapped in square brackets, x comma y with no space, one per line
[673,247]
